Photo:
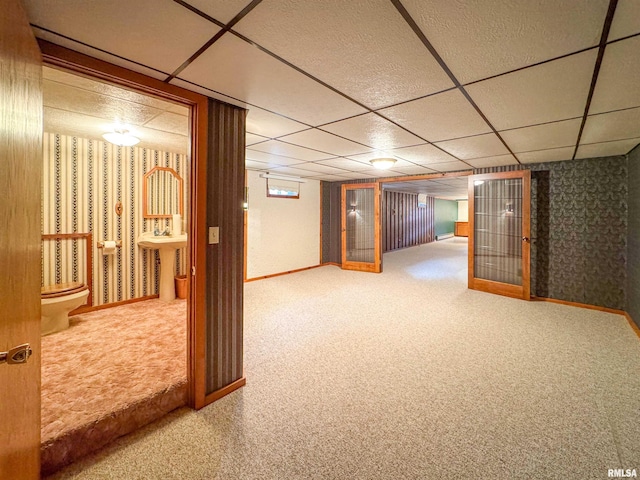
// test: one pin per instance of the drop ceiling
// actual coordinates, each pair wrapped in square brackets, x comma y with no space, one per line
[441,86]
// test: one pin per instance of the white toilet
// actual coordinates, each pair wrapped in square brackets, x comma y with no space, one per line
[57,301]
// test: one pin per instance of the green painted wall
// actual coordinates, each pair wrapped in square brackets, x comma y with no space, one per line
[446,213]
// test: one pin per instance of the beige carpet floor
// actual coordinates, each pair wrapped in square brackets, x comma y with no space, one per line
[406,374]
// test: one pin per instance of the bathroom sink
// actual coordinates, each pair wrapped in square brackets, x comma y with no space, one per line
[149,240]
[166,246]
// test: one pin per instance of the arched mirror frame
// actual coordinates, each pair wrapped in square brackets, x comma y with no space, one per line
[145,191]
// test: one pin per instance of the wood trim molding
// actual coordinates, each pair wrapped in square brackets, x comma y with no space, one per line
[55,55]
[626,315]
[580,305]
[92,308]
[427,176]
[145,192]
[89,272]
[633,325]
[282,273]
[232,387]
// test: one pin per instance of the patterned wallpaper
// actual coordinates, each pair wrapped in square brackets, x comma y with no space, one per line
[579,230]
[633,242]
[83,181]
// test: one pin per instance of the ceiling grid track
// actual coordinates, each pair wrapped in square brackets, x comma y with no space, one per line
[425,41]
[596,69]
[213,39]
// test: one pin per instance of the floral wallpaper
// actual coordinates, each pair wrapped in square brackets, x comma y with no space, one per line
[579,230]
[633,242]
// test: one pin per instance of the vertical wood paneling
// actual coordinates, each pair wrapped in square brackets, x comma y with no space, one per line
[404,224]
[225,261]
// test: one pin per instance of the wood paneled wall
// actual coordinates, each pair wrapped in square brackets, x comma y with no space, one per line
[225,260]
[403,223]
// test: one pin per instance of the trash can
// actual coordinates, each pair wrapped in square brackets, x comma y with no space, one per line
[181,286]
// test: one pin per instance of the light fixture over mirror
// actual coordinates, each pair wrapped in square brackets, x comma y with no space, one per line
[121,137]
[383,163]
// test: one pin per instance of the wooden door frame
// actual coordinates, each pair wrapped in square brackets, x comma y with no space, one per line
[57,56]
[516,291]
[376,266]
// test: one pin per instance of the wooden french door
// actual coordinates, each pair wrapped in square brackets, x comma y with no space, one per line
[361,239]
[499,233]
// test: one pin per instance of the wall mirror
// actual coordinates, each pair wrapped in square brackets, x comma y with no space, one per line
[162,193]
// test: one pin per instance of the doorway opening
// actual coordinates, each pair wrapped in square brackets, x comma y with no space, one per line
[122,362]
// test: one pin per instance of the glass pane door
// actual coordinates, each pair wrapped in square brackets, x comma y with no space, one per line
[360,227]
[499,222]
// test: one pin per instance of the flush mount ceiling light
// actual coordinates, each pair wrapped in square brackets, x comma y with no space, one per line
[383,163]
[121,137]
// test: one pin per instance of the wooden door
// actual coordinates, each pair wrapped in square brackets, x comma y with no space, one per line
[499,233]
[361,239]
[20,182]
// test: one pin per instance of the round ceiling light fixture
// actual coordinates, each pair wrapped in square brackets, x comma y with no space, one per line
[383,163]
[121,137]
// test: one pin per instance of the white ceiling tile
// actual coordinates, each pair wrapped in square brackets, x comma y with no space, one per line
[320,168]
[293,171]
[241,70]
[161,38]
[413,170]
[474,147]
[607,149]
[449,166]
[222,10]
[497,161]
[329,178]
[364,49]
[367,157]
[208,92]
[111,107]
[551,155]
[539,137]
[271,160]
[269,124]
[617,85]
[170,122]
[612,126]
[276,147]
[480,39]
[86,126]
[95,53]
[252,138]
[326,142]
[253,165]
[374,131]
[439,117]
[423,154]
[553,91]
[346,164]
[626,20]
[356,175]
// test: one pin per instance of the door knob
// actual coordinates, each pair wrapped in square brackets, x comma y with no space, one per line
[525,239]
[19,354]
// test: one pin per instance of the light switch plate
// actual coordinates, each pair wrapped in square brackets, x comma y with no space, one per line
[214,235]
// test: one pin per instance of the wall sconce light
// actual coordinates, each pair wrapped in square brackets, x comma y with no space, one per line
[353,209]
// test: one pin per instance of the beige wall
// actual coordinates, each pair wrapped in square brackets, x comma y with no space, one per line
[463,210]
[283,234]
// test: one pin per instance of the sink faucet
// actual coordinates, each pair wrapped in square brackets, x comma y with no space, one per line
[165,233]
